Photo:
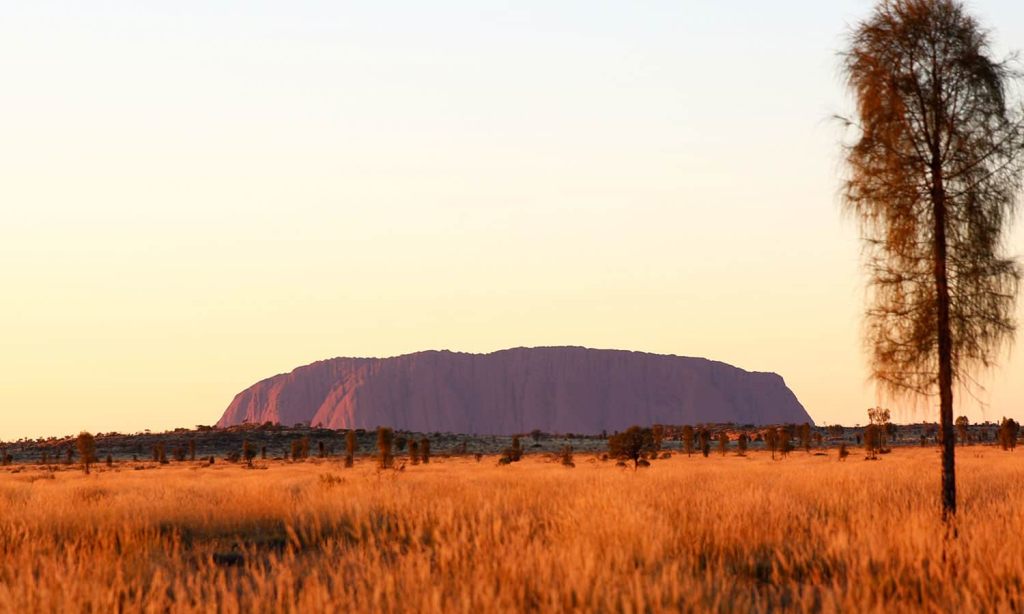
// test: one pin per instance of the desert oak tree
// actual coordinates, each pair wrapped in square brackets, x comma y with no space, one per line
[933,172]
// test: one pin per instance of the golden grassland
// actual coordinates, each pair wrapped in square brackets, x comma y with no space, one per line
[728,533]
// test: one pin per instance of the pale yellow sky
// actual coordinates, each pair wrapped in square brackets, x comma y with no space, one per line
[194,200]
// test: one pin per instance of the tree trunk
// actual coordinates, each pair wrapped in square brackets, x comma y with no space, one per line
[945,339]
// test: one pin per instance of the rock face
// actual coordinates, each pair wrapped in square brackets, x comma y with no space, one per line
[554,389]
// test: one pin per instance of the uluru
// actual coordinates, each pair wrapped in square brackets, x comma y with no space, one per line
[554,389]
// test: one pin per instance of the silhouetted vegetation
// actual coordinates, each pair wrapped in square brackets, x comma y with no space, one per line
[565,456]
[385,438]
[1008,432]
[631,445]
[512,454]
[658,435]
[771,440]
[688,439]
[872,441]
[785,441]
[275,443]
[300,449]
[350,447]
[705,442]
[86,450]
[878,417]
[804,433]
[248,452]
[962,424]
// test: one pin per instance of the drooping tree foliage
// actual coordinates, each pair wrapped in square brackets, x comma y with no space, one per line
[933,174]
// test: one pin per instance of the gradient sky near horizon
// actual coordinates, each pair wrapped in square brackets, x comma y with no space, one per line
[198,195]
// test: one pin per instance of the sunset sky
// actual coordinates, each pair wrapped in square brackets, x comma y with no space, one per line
[198,195]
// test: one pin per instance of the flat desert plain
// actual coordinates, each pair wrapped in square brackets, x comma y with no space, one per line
[725,533]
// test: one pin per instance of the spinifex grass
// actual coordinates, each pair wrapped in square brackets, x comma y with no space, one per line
[689,533]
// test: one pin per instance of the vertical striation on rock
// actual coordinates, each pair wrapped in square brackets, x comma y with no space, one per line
[554,389]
